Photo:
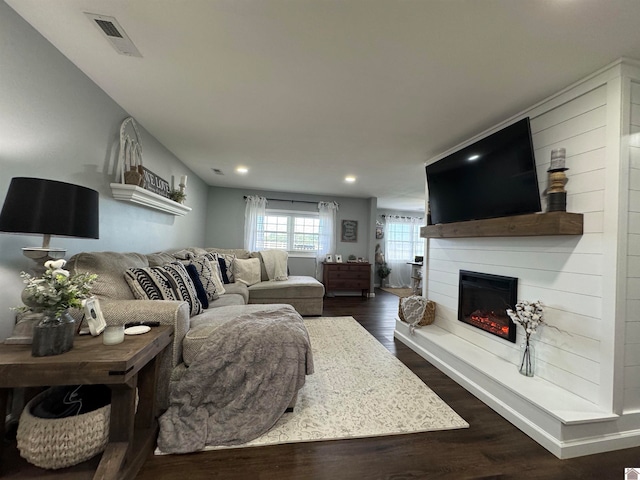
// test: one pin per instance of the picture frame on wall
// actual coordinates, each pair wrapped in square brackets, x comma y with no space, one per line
[338,258]
[349,231]
[328,258]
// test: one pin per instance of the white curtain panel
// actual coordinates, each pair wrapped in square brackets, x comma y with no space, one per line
[399,250]
[256,208]
[327,239]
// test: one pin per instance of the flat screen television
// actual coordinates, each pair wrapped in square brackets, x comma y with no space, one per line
[494,177]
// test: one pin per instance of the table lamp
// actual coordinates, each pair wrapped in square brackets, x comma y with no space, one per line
[49,207]
[46,207]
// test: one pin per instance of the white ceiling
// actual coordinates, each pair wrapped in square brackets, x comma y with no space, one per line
[305,92]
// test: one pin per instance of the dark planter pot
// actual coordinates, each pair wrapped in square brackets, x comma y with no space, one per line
[53,335]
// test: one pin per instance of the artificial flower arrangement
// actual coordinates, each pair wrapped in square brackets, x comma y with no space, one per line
[530,316]
[57,290]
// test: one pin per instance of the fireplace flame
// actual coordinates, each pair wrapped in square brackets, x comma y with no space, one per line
[490,322]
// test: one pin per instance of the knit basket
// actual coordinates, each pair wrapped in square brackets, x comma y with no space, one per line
[428,316]
[61,442]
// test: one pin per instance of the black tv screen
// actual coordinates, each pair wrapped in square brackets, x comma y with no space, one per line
[494,177]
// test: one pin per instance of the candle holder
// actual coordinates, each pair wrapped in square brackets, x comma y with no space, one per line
[113,335]
[556,193]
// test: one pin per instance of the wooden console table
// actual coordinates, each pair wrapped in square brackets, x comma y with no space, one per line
[124,367]
[347,276]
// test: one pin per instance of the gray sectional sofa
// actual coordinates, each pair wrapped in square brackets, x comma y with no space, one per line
[120,306]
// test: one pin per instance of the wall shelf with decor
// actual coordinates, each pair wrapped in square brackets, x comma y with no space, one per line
[536,224]
[141,196]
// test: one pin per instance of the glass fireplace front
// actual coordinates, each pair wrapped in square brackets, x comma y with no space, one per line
[483,301]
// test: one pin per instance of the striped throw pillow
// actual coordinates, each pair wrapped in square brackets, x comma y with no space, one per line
[166,282]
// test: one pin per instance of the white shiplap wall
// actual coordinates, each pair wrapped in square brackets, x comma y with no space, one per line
[586,398]
[564,272]
[632,330]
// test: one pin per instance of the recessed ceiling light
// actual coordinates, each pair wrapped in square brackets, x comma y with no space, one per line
[350,179]
[473,157]
[242,170]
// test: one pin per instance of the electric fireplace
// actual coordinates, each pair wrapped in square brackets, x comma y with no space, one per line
[483,301]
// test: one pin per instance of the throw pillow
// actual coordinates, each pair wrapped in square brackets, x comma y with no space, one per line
[183,254]
[200,291]
[247,271]
[166,282]
[217,274]
[226,261]
[206,275]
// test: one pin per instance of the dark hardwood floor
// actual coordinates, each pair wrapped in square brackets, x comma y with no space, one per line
[491,448]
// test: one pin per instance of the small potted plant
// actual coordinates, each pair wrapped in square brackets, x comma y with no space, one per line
[52,295]
[177,196]
[383,272]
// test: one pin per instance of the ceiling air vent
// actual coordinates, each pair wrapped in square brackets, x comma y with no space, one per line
[217,171]
[115,34]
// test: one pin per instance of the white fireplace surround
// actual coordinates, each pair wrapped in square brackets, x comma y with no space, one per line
[585,396]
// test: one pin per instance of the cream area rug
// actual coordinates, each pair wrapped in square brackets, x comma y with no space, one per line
[358,389]
[400,292]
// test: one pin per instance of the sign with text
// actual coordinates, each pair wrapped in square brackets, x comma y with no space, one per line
[154,183]
[349,231]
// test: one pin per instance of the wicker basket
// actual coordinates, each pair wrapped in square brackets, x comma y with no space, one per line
[428,316]
[61,442]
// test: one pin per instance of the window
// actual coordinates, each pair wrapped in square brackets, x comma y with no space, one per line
[403,241]
[291,231]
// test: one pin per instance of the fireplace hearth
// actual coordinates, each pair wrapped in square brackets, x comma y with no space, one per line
[483,301]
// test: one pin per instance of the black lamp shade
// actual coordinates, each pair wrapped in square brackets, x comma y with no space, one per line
[36,205]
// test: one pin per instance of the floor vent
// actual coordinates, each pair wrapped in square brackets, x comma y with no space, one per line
[115,34]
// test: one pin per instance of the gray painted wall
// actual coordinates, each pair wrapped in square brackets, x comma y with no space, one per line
[57,124]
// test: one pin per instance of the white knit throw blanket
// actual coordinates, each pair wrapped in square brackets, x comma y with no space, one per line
[275,263]
[413,310]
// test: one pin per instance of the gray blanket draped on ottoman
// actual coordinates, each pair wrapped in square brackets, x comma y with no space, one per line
[239,384]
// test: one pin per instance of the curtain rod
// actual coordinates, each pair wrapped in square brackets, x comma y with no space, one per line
[400,216]
[282,200]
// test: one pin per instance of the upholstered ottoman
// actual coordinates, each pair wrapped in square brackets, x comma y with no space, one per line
[304,293]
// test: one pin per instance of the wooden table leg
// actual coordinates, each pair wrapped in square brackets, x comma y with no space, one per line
[4,396]
[147,410]
[121,428]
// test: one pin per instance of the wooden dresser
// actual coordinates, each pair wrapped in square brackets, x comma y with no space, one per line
[347,276]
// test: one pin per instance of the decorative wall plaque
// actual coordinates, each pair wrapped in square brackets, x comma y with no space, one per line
[349,230]
[154,183]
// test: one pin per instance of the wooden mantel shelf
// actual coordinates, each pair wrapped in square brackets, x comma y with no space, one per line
[536,224]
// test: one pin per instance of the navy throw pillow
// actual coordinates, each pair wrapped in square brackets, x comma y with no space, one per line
[200,291]
[223,270]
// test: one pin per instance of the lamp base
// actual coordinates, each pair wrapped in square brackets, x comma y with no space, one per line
[42,254]
[23,330]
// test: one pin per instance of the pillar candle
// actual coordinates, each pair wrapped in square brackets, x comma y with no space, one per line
[557,158]
[113,335]
[183,180]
